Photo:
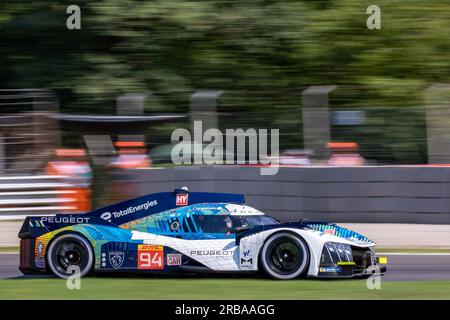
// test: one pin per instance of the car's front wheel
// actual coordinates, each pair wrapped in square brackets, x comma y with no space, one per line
[285,256]
[69,254]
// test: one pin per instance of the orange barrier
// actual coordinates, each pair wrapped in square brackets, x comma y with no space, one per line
[78,173]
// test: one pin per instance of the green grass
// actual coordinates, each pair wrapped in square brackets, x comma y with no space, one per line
[219,288]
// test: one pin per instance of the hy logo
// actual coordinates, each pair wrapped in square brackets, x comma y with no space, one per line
[182,199]
[116,259]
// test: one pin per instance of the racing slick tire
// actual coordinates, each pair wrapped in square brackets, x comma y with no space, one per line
[70,253]
[285,256]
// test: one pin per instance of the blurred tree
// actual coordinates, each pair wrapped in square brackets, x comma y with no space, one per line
[262,52]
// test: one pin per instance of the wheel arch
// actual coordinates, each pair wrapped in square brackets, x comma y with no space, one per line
[283,231]
[63,233]
[308,246]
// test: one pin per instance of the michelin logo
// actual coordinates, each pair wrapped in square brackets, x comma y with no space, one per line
[121,213]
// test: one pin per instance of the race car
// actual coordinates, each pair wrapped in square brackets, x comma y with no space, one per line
[192,232]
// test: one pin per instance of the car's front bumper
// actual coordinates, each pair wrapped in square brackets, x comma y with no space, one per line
[345,261]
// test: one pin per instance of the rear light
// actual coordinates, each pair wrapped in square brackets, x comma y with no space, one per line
[26,253]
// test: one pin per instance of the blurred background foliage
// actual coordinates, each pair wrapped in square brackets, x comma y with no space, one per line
[263,53]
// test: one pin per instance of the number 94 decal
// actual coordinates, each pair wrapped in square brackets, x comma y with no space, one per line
[150,257]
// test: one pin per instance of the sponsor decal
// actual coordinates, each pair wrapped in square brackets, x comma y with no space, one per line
[174,259]
[64,220]
[212,252]
[121,213]
[40,246]
[182,199]
[106,216]
[39,250]
[246,260]
[39,262]
[116,258]
[330,231]
[207,208]
[330,269]
[150,257]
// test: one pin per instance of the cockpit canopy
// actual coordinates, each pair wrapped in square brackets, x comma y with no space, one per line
[205,220]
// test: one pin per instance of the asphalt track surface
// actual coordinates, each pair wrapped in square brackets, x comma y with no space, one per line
[401,267]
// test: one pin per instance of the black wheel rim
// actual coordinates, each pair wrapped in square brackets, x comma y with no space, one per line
[285,256]
[70,253]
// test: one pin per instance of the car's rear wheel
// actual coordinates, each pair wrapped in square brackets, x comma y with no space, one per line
[285,256]
[69,254]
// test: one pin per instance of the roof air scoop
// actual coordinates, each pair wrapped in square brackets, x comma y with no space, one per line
[183,189]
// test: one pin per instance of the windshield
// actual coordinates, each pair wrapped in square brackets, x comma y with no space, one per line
[226,223]
[213,223]
[252,221]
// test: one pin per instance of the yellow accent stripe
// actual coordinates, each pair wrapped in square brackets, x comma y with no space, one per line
[349,263]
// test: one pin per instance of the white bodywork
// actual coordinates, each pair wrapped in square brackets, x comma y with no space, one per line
[225,255]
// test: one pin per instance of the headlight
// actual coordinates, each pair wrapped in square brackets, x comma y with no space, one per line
[334,252]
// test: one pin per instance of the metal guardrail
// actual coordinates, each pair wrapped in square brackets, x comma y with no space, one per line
[22,196]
